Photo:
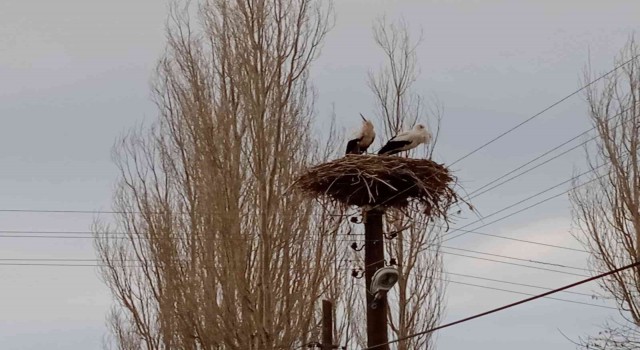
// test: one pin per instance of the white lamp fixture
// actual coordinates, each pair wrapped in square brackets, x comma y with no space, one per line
[383,280]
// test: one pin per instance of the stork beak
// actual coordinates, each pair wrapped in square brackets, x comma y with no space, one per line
[363,118]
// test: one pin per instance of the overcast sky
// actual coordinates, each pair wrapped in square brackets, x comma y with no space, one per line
[74,74]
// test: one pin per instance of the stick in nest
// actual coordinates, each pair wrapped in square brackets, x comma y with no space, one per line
[388,181]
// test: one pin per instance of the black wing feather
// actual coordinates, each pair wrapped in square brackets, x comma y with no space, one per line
[392,147]
[353,147]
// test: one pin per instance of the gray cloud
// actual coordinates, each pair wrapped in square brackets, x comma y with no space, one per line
[75,75]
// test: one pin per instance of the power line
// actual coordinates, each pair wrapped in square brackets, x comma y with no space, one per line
[507,306]
[355,239]
[524,241]
[91,235]
[519,259]
[519,284]
[313,240]
[355,235]
[523,209]
[473,193]
[448,253]
[81,211]
[546,109]
[115,234]
[540,262]
[58,237]
[454,230]
[54,265]
[61,211]
[123,236]
[70,232]
[53,259]
[511,258]
[57,263]
[512,283]
[512,238]
[525,199]
[472,196]
[453,248]
[516,264]
[455,162]
[523,293]
[443,252]
[521,123]
[70,260]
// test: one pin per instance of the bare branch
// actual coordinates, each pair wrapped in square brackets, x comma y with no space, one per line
[607,212]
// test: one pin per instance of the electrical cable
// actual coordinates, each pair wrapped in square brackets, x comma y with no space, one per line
[525,241]
[593,296]
[548,108]
[508,306]
[522,123]
[32,233]
[523,293]
[443,252]
[474,194]
[523,209]
[455,162]
[573,178]
[516,264]
[519,259]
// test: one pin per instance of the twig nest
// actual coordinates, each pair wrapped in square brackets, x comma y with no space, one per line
[388,181]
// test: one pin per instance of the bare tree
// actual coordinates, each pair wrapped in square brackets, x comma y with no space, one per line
[417,303]
[606,208]
[215,252]
[419,300]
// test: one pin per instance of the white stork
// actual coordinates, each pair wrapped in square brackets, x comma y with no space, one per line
[362,139]
[407,140]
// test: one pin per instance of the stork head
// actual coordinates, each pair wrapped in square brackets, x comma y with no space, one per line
[367,123]
[426,135]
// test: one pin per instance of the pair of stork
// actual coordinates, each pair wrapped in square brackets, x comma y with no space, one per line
[403,141]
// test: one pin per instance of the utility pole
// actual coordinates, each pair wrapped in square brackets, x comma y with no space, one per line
[369,182]
[374,260]
[327,325]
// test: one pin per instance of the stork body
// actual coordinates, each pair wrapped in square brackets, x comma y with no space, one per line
[362,139]
[406,140]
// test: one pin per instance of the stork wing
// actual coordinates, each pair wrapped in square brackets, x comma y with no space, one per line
[393,147]
[403,136]
[352,147]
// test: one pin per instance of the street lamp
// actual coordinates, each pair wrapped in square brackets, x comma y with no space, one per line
[383,280]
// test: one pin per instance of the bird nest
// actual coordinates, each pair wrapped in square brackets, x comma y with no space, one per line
[389,181]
